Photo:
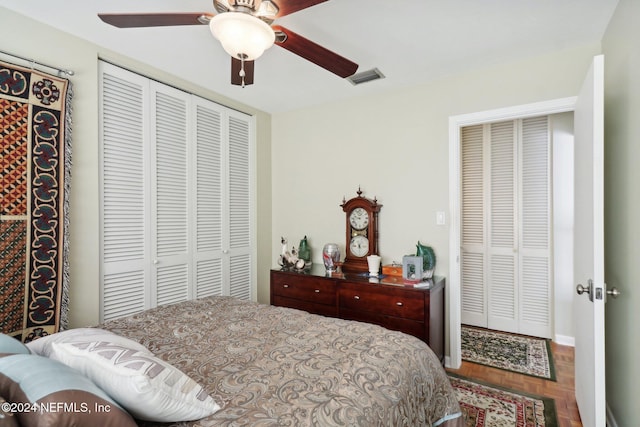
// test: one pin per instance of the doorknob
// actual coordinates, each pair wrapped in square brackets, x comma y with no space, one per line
[614,292]
[589,289]
[581,289]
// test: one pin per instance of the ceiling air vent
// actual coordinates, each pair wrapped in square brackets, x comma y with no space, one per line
[365,76]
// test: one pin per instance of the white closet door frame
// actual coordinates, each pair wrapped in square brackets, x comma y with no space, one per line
[456,123]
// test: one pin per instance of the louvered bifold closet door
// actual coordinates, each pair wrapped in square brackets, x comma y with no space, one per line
[177,195]
[170,195]
[209,213]
[506,226]
[535,229]
[502,247]
[241,204]
[473,292]
[124,200]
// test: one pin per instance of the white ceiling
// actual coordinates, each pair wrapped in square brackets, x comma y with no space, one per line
[410,41]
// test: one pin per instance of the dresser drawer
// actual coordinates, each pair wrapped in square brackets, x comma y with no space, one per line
[312,289]
[382,301]
[408,326]
[322,309]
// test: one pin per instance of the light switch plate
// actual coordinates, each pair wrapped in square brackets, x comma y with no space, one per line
[440,218]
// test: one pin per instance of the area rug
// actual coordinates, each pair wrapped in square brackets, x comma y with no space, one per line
[35,171]
[517,353]
[485,405]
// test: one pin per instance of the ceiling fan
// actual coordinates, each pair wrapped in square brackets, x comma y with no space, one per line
[245,32]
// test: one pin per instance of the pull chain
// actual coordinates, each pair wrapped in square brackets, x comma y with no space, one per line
[242,72]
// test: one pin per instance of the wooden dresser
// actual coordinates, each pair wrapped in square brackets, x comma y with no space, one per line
[386,301]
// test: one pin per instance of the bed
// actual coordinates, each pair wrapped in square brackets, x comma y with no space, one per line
[222,361]
[268,365]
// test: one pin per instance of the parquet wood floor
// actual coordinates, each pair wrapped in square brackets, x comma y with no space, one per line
[562,391]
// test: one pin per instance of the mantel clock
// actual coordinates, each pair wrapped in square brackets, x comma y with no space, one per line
[362,232]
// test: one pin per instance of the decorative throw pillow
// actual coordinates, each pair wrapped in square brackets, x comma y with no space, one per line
[45,393]
[149,388]
[42,346]
[10,345]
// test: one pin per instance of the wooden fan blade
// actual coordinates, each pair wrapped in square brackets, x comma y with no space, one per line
[315,53]
[236,66]
[290,6]
[132,20]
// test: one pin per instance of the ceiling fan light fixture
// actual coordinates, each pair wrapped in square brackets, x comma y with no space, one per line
[267,9]
[242,35]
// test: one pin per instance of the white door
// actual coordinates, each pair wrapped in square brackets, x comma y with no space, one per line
[240,205]
[170,237]
[589,247]
[177,194]
[506,226]
[124,200]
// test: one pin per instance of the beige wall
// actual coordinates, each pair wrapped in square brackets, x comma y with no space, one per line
[622,210]
[396,147]
[70,52]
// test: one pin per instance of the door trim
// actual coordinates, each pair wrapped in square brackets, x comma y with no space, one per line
[561,105]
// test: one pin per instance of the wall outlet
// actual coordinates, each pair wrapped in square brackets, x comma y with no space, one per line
[440,218]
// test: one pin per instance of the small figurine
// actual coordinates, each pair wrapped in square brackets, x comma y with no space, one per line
[428,259]
[289,259]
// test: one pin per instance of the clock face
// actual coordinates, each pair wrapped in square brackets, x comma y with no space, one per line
[359,219]
[359,246]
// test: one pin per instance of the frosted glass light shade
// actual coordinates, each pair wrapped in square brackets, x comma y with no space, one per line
[241,34]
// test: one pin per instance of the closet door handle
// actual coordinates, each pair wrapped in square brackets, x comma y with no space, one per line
[317,291]
[356,297]
[399,304]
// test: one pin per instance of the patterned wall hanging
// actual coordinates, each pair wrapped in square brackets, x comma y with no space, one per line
[35,163]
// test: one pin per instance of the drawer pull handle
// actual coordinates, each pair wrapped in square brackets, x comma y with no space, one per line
[399,304]
[356,297]
[285,286]
[317,291]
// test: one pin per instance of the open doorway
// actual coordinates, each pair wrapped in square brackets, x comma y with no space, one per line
[562,293]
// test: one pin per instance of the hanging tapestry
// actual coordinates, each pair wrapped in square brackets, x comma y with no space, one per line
[35,163]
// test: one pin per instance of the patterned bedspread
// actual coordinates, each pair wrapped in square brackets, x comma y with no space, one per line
[268,365]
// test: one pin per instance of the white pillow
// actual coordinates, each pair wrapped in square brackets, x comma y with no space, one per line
[149,388]
[42,346]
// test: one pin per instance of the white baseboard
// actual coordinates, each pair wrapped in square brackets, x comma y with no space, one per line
[611,421]
[565,340]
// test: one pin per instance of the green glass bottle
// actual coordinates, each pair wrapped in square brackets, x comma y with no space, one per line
[304,252]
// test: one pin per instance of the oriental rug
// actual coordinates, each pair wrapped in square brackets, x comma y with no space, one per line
[517,353]
[485,405]
[35,130]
